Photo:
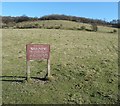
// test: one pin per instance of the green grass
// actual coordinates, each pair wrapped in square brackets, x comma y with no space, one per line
[63,24]
[83,64]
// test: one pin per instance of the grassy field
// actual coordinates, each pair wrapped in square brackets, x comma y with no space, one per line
[84,66]
[62,24]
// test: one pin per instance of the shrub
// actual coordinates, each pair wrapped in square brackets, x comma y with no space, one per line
[37,25]
[82,27]
[88,29]
[4,26]
[94,27]
[57,27]
[49,27]
[40,26]
[70,28]
[114,31]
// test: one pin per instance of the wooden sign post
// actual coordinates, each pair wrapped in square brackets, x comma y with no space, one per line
[37,52]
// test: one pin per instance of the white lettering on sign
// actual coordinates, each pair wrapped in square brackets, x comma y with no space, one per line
[38,51]
[33,48]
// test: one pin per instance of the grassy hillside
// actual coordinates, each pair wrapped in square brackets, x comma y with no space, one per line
[62,24]
[83,65]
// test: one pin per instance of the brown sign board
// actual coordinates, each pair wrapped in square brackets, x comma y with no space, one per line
[37,51]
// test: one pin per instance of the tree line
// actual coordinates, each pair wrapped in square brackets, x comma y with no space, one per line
[18,19]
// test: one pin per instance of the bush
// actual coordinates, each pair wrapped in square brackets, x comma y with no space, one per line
[70,28]
[88,30]
[4,26]
[94,27]
[37,25]
[57,27]
[82,27]
[49,27]
[114,31]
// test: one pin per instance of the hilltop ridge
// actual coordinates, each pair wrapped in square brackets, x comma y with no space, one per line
[6,20]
